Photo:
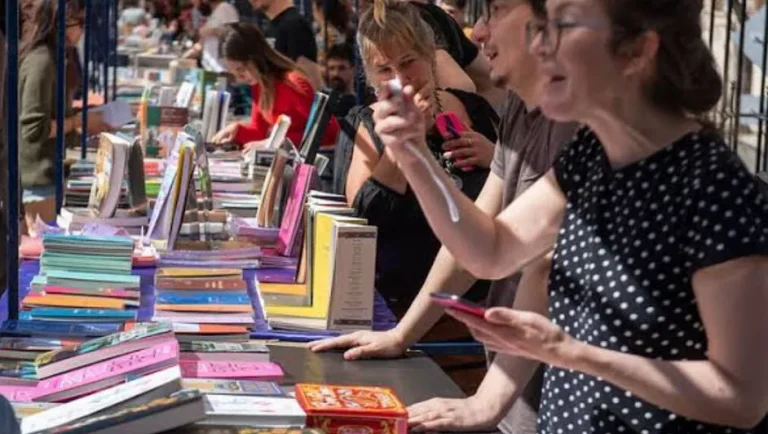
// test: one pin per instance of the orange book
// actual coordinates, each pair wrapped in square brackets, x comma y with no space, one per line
[35,300]
[342,409]
[198,272]
[299,289]
[222,308]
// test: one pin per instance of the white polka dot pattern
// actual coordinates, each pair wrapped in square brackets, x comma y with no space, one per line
[621,279]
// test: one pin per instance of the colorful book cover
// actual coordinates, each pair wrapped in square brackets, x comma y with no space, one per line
[208,329]
[55,300]
[58,329]
[294,208]
[204,319]
[180,284]
[264,371]
[105,292]
[116,280]
[35,344]
[202,298]
[234,387]
[134,413]
[222,308]
[140,331]
[96,402]
[198,272]
[77,314]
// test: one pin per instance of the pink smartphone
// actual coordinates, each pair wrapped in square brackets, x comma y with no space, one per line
[449,125]
[451,301]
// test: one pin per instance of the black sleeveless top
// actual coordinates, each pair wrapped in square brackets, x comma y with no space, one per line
[406,245]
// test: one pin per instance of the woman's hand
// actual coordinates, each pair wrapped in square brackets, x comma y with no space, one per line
[226,135]
[471,149]
[522,334]
[398,120]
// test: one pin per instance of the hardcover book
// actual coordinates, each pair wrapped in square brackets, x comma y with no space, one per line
[339,409]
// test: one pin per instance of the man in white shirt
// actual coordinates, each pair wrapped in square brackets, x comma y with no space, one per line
[222,13]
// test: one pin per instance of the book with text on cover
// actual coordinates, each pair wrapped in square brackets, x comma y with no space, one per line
[265,412]
[341,409]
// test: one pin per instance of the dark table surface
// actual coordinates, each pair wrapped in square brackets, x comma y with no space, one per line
[414,378]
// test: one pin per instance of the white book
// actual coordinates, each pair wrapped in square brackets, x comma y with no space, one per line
[110,169]
[80,408]
[116,113]
[265,412]
[185,94]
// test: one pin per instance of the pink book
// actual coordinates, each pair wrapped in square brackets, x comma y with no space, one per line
[109,292]
[260,371]
[100,375]
[19,393]
[294,209]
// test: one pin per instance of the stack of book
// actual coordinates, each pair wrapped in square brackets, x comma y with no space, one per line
[334,289]
[84,278]
[212,254]
[207,304]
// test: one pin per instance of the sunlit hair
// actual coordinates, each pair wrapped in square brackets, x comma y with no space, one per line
[392,26]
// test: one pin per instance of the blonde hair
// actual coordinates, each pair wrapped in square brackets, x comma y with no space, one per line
[391,26]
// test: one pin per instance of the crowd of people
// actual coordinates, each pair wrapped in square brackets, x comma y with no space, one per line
[621,246]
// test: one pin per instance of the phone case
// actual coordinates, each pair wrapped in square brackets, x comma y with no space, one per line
[449,125]
[457,303]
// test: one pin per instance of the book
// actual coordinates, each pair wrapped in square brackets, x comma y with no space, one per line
[271,190]
[234,387]
[213,429]
[98,376]
[253,410]
[54,300]
[336,409]
[35,344]
[26,409]
[199,272]
[100,292]
[294,208]
[231,370]
[222,308]
[77,314]
[205,284]
[202,319]
[285,294]
[64,329]
[111,164]
[203,298]
[220,347]
[251,357]
[181,191]
[160,415]
[94,350]
[88,405]
[91,280]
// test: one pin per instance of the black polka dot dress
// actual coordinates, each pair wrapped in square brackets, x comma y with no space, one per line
[630,242]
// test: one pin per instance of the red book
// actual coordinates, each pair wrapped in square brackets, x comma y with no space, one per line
[343,409]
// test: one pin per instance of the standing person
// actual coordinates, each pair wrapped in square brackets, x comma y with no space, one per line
[527,146]
[37,103]
[341,77]
[331,26]
[222,13]
[653,318]
[292,36]
[277,86]
[457,9]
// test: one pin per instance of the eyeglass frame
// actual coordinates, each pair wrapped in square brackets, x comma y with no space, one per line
[536,27]
[485,13]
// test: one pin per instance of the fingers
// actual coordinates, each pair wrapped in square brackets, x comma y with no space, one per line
[360,352]
[345,341]
[460,154]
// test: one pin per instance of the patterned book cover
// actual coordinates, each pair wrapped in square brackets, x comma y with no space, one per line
[349,400]
[180,284]
[263,371]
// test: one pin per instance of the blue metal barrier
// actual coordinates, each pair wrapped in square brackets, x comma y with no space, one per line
[12,95]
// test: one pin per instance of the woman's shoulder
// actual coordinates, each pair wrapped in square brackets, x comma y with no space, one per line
[38,58]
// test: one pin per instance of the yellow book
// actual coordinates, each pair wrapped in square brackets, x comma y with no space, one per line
[321,269]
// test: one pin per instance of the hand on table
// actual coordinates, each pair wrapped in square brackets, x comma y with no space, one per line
[363,345]
[471,149]
[227,134]
[440,414]
[520,333]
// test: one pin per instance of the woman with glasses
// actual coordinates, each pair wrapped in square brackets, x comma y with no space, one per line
[37,102]
[395,42]
[653,319]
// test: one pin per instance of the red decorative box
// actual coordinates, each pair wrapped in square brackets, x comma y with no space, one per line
[352,409]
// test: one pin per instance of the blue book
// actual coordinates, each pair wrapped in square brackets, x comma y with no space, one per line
[125,242]
[67,313]
[59,329]
[202,298]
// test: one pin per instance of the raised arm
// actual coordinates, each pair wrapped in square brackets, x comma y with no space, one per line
[489,248]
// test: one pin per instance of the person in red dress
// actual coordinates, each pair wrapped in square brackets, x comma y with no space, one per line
[278,87]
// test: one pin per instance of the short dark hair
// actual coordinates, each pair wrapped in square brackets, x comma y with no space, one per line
[539,7]
[341,51]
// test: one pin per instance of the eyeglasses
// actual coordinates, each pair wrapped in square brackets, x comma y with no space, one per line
[492,9]
[551,31]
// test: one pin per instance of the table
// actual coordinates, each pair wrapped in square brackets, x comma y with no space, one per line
[414,378]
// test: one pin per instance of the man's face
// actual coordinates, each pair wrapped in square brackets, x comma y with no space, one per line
[501,32]
[341,74]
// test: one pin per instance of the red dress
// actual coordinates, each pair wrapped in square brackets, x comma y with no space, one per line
[293,100]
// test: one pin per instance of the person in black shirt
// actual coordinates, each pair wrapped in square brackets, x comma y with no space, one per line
[291,35]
